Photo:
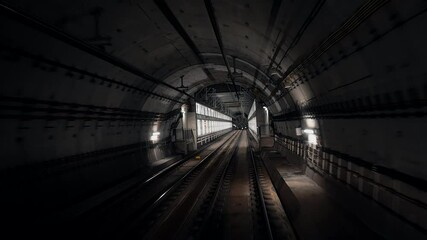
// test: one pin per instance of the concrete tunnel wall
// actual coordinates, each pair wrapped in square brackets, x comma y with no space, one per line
[99,136]
[376,78]
[367,89]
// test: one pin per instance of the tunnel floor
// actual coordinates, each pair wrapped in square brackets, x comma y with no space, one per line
[220,200]
[237,220]
[314,213]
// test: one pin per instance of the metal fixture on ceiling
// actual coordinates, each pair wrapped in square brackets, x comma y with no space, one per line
[275,74]
[182,87]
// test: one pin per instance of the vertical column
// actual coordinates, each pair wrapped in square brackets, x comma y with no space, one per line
[191,126]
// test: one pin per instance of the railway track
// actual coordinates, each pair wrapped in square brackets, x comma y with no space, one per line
[194,201]
[245,181]
[114,214]
[174,209]
[272,220]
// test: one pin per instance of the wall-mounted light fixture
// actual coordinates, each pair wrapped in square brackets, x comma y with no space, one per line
[312,139]
[311,136]
[155,136]
[298,131]
[308,131]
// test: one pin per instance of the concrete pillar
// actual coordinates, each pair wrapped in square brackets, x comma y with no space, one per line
[189,123]
[192,131]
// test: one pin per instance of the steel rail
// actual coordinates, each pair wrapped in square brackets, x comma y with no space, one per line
[222,174]
[261,196]
[135,187]
[146,210]
[217,193]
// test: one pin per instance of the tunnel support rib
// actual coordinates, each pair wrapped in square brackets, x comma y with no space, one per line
[161,4]
[215,27]
[80,44]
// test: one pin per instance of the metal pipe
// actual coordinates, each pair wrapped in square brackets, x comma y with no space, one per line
[215,27]
[261,196]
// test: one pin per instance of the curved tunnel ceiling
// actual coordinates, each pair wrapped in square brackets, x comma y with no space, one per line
[147,37]
[279,46]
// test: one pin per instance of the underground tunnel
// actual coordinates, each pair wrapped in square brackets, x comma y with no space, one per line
[213,119]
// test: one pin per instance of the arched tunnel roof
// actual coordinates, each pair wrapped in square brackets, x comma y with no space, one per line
[201,39]
[277,46]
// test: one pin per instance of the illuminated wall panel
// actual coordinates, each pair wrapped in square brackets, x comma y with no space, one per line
[211,121]
[252,120]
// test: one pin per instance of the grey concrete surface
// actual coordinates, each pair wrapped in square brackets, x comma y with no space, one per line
[313,213]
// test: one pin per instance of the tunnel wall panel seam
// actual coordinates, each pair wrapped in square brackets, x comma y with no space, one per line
[59,166]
